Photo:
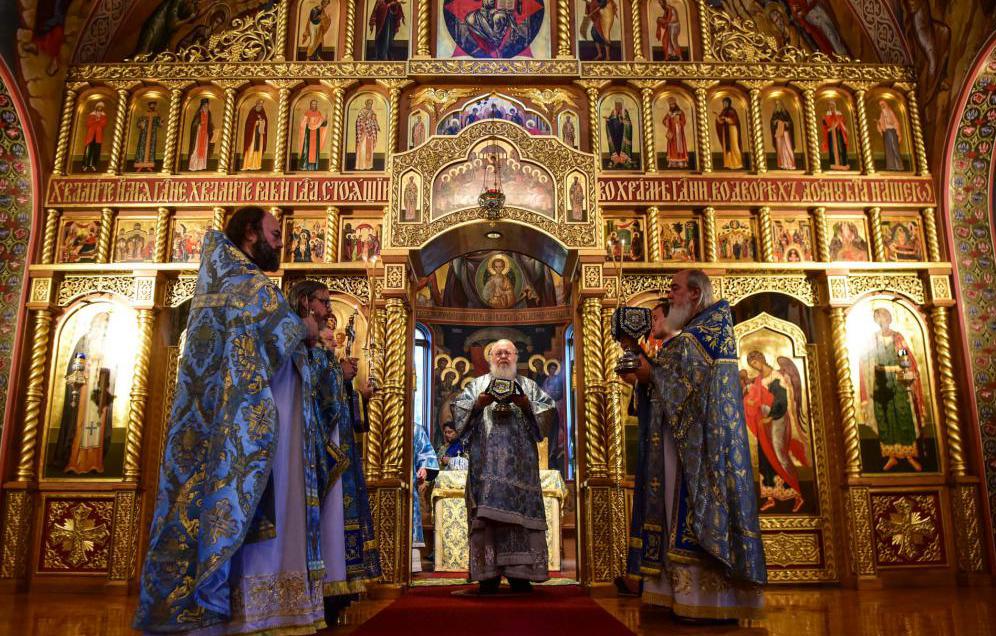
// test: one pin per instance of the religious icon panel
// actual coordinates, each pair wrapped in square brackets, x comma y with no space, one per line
[318,30]
[891,371]
[674,131]
[187,237]
[567,129]
[360,240]
[147,132]
[309,133]
[735,238]
[784,139]
[411,197]
[493,106]
[599,30]
[577,197]
[668,30]
[418,128]
[202,123]
[90,383]
[890,138]
[839,143]
[388,29]
[902,236]
[463,283]
[78,240]
[304,240]
[254,138]
[625,239]
[134,239]
[366,132]
[793,236]
[620,135]
[493,29]
[730,131]
[849,238]
[95,111]
[680,238]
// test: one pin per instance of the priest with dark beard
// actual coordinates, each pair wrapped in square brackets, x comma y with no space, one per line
[502,416]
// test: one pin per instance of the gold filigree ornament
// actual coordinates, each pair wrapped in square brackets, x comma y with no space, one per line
[907,531]
[248,39]
[79,535]
[740,40]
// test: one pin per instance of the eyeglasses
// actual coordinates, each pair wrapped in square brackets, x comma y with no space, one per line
[325,301]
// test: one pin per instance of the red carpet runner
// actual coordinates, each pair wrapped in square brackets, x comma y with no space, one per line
[549,610]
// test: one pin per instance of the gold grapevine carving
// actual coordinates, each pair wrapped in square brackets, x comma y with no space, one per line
[180,290]
[845,391]
[594,372]
[949,391]
[139,393]
[247,39]
[104,236]
[51,233]
[34,395]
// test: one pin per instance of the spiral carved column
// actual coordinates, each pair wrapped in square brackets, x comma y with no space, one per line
[705,32]
[104,235]
[949,391]
[347,53]
[219,219]
[282,126]
[822,235]
[282,21]
[709,232]
[866,150]
[394,388]
[654,234]
[594,383]
[335,132]
[564,30]
[592,89]
[65,126]
[422,41]
[756,128]
[647,105]
[172,128]
[162,235]
[118,139]
[331,234]
[227,130]
[767,235]
[375,407]
[845,393]
[878,240]
[613,398]
[919,147]
[139,393]
[34,394]
[812,130]
[702,123]
[930,230]
[51,235]
[636,29]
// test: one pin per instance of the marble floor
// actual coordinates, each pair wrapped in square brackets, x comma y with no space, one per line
[947,611]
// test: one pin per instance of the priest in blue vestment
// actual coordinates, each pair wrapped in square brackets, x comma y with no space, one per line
[234,544]
[349,547]
[425,467]
[695,538]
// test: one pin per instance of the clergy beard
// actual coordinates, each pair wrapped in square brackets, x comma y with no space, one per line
[265,256]
[678,317]
[503,371]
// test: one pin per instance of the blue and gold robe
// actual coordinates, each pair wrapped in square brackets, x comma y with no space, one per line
[341,463]
[694,504]
[216,483]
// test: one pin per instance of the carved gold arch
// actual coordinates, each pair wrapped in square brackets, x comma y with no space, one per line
[558,159]
[732,287]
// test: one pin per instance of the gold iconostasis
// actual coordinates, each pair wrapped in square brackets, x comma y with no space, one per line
[629,140]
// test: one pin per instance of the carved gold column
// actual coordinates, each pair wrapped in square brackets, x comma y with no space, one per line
[394,87]
[859,526]
[283,122]
[51,235]
[654,234]
[120,121]
[375,407]
[228,124]
[919,147]
[336,124]
[394,388]
[34,393]
[280,46]
[162,235]
[614,435]
[845,391]
[929,217]
[822,235]
[949,391]
[647,88]
[422,49]
[594,384]
[877,240]
[812,126]
[592,89]
[564,44]
[104,235]
[702,119]
[139,389]
[709,235]
[219,219]
[756,127]
[767,234]
[350,27]
[173,124]
[65,127]
[636,29]
[331,234]
[705,32]
[860,92]
[18,512]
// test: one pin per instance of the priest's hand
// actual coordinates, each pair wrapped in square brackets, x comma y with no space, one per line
[367,390]
[348,368]
[421,475]
[483,400]
[629,378]
[521,400]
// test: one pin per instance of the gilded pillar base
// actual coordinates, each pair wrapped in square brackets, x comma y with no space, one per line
[124,540]
[606,534]
[968,531]
[389,508]
[857,505]
[18,512]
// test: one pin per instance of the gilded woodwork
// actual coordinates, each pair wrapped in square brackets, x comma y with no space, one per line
[376,407]
[929,216]
[394,87]
[968,530]
[647,89]
[65,126]
[822,234]
[594,388]
[812,131]
[253,38]
[845,393]
[919,147]
[908,529]
[41,292]
[756,126]
[349,27]
[767,238]
[858,508]
[120,120]
[709,235]
[176,88]
[284,88]
[34,395]
[613,418]
[76,534]
[336,123]
[654,234]
[231,88]
[18,512]
[422,35]
[949,391]
[394,388]
[104,236]
[636,32]
[219,218]
[51,234]
[877,238]
[332,234]
[124,536]
[564,47]
[139,394]
[162,235]
[860,93]
[702,119]
[73,287]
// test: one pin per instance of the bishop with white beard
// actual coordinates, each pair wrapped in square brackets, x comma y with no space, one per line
[505,512]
